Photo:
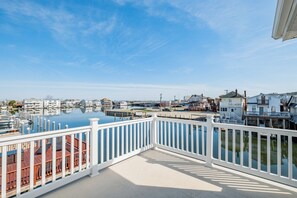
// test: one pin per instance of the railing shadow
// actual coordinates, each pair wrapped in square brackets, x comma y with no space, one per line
[224,179]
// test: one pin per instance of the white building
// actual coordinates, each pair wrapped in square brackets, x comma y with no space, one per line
[106,102]
[232,107]
[264,104]
[33,104]
[51,103]
[267,110]
[96,103]
[195,98]
[70,103]
[86,103]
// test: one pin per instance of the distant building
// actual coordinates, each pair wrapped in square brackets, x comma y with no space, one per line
[51,104]
[96,103]
[267,110]
[70,103]
[123,105]
[231,107]
[195,98]
[86,103]
[33,104]
[106,102]
[200,103]
[3,106]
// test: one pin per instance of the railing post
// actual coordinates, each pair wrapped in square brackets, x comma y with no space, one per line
[94,146]
[209,149]
[154,131]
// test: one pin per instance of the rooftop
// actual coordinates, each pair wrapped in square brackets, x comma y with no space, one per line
[158,173]
[232,94]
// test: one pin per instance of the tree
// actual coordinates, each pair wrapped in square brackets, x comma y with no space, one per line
[12,103]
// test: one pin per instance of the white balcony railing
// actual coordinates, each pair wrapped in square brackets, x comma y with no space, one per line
[69,154]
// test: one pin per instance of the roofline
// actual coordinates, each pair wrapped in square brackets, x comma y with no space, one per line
[281,17]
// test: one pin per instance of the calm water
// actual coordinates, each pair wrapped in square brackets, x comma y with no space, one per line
[73,118]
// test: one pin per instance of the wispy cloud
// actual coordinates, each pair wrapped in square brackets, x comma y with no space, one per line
[63,25]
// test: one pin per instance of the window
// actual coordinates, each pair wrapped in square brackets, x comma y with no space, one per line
[232,110]
[223,109]
[254,108]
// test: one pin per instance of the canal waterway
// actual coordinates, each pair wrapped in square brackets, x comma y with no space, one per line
[76,117]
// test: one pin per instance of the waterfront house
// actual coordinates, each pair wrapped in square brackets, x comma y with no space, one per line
[96,103]
[51,103]
[195,98]
[3,106]
[86,103]
[267,110]
[200,103]
[33,103]
[121,104]
[70,103]
[106,102]
[231,107]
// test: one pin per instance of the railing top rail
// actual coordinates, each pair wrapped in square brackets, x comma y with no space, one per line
[182,121]
[263,130]
[38,136]
[122,123]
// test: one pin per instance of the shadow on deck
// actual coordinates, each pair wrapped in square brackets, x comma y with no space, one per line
[155,173]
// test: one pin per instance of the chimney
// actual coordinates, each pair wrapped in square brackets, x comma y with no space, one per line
[236,91]
[201,95]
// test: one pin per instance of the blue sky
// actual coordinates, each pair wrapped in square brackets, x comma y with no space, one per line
[137,49]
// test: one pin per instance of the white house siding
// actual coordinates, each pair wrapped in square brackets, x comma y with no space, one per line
[51,103]
[274,102]
[231,108]
[33,104]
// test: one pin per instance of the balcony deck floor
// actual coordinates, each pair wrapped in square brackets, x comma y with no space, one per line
[161,174]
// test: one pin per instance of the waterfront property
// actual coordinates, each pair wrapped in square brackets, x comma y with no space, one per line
[70,103]
[51,103]
[267,110]
[264,152]
[86,103]
[232,107]
[106,102]
[33,104]
[96,103]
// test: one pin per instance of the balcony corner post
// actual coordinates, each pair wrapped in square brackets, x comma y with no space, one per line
[209,149]
[94,146]
[154,131]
